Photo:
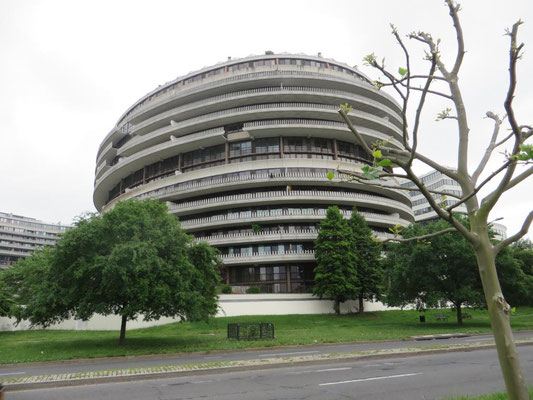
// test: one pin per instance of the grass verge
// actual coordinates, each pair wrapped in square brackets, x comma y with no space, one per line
[492,396]
[50,345]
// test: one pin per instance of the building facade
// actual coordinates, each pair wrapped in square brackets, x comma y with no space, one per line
[437,181]
[20,236]
[240,152]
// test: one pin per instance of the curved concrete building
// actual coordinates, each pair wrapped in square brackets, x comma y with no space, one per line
[240,152]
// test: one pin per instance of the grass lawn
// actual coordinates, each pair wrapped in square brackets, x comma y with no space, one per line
[492,396]
[46,345]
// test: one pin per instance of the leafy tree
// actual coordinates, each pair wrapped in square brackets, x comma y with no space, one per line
[133,260]
[441,81]
[514,266]
[368,267]
[26,284]
[440,269]
[335,273]
[523,251]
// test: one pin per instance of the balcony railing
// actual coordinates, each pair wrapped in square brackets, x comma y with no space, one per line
[289,195]
[223,181]
[306,255]
[271,214]
[192,88]
[254,237]
[392,129]
[251,92]
[260,236]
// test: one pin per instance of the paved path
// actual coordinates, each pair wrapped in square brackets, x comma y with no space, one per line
[78,366]
[426,377]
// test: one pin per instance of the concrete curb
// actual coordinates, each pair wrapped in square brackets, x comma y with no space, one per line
[174,371]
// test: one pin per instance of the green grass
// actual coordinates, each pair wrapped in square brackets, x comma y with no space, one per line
[492,396]
[48,345]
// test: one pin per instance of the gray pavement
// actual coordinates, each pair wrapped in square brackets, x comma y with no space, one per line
[77,366]
[428,376]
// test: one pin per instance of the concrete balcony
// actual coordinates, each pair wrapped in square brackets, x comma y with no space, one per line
[307,76]
[260,112]
[294,216]
[248,177]
[153,154]
[107,154]
[252,237]
[266,95]
[103,167]
[289,197]
[264,258]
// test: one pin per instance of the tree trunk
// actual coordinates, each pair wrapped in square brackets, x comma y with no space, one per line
[499,312]
[459,314]
[122,340]
[337,307]
[361,304]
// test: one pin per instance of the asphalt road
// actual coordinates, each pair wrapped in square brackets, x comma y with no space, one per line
[13,370]
[420,377]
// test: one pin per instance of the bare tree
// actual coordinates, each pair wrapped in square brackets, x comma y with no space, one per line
[506,177]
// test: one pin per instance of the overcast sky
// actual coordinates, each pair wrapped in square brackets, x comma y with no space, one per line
[69,69]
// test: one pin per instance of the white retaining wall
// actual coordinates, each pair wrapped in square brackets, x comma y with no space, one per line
[229,305]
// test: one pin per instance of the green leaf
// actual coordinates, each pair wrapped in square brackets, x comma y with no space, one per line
[370,173]
[346,107]
[385,163]
[402,71]
[330,175]
[527,152]
[377,154]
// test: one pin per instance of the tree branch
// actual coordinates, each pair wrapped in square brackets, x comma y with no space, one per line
[490,147]
[429,235]
[454,9]
[353,176]
[359,137]
[525,227]
[516,180]
[478,188]
[421,107]
[514,55]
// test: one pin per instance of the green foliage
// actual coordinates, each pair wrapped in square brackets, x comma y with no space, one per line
[369,60]
[514,271]
[133,260]
[368,266]
[444,269]
[396,230]
[226,289]
[440,269]
[443,114]
[335,273]
[526,152]
[377,154]
[256,228]
[253,290]
[385,163]
[330,175]
[346,107]
[402,71]
[370,173]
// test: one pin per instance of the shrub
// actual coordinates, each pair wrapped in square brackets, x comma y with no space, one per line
[253,290]
[226,289]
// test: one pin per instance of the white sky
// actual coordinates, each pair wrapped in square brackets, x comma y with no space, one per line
[69,69]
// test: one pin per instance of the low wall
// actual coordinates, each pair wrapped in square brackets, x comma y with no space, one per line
[230,305]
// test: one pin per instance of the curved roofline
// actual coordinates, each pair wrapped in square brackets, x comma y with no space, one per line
[233,61]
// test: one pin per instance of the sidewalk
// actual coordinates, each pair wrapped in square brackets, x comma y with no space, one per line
[167,371]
